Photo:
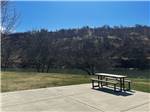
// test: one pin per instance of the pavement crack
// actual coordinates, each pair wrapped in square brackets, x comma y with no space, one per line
[42,99]
[134,107]
[86,104]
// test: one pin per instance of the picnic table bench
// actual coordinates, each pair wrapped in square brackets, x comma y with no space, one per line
[102,83]
[104,79]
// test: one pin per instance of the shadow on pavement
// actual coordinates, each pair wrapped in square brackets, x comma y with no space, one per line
[118,93]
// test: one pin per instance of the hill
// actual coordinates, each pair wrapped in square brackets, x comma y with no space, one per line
[88,49]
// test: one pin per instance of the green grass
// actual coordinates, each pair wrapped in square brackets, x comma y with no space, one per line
[141,84]
[13,81]
[21,80]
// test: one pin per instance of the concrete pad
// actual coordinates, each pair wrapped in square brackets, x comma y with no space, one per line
[13,98]
[142,108]
[77,98]
[61,104]
[111,102]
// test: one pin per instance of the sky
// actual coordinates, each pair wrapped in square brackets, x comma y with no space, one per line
[64,15]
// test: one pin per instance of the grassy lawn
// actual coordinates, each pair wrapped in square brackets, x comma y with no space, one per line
[141,84]
[17,80]
[13,81]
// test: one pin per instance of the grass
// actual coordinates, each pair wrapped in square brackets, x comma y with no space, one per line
[141,84]
[13,81]
[22,80]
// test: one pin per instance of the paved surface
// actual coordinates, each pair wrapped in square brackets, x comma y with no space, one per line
[75,98]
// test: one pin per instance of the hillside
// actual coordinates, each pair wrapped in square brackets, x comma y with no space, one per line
[88,49]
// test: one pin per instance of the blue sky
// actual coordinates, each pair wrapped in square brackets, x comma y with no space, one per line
[58,15]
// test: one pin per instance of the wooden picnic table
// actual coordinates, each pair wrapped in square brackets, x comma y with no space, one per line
[120,77]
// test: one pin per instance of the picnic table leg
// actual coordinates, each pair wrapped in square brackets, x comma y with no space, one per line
[120,84]
[98,82]
[123,84]
[106,82]
[92,84]
[101,82]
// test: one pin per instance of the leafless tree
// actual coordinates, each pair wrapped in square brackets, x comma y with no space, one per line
[9,17]
[9,20]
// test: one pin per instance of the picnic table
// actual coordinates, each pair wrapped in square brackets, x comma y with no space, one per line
[103,77]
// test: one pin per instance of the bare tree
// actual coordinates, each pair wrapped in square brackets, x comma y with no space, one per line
[8,20]
[9,17]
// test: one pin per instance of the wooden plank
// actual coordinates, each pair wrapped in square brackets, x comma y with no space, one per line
[113,82]
[110,75]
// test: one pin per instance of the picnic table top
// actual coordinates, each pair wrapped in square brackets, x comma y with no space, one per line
[110,75]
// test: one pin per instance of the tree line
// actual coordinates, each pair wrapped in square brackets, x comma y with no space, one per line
[88,49]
